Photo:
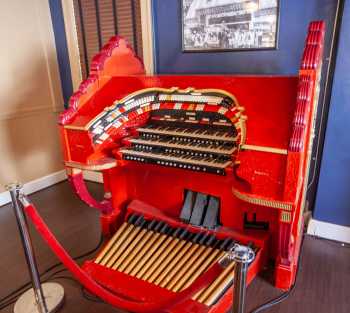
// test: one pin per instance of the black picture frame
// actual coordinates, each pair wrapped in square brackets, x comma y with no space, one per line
[206,49]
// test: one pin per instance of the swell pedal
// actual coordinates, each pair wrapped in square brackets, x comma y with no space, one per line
[211,219]
[200,210]
[187,207]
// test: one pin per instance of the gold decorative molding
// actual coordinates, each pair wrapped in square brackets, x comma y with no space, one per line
[92,167]
[263,202]
[264,149]
[75,127]
[286,217]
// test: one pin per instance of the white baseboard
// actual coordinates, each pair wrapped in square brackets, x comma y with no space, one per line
[36,185]
[329,231]
[93,176]
[47,181]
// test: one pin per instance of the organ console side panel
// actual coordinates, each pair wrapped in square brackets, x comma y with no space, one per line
[191,165]
[299,153]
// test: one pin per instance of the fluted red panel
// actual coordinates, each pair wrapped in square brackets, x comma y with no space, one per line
[312,60]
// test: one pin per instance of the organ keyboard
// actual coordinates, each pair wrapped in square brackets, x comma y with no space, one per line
[189,172]
[193,148]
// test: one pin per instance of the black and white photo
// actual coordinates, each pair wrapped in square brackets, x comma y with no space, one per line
[229,24]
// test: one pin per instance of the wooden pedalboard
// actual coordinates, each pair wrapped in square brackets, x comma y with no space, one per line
[152,255]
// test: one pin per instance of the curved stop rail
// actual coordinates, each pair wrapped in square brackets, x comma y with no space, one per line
[164,305]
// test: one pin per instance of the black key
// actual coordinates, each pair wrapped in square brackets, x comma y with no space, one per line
[139,220]
[132,218]
[152,225]
[159,227]
[177,232]
[223,244]
[165,229]
[212,240]
[197,237]
[183,234]
[204,239]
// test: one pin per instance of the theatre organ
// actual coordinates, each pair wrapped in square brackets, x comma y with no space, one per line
[191,166]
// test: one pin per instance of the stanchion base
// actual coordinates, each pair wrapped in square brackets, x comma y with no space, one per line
[54,296]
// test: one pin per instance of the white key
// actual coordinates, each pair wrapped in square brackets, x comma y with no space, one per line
[163,159]
[190,135]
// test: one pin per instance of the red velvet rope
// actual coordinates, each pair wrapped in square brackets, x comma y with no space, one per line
[162,306]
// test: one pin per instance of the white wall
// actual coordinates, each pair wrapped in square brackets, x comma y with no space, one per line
[30,92]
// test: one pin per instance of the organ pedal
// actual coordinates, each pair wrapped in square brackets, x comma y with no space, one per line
[168,257]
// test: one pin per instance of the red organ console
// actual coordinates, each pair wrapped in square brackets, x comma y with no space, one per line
[191,165]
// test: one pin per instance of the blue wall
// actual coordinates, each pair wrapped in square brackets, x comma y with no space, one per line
[294,18]
[61,48]
[333,195]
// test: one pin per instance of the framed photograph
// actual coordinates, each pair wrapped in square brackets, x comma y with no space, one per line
[226,25]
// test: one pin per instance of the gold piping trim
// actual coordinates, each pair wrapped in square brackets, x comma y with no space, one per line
[94,167]
[265,149]
[74,127]
[263,202]
[286,217]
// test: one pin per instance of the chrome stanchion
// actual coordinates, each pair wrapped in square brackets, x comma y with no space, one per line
[44,298]
[242,256]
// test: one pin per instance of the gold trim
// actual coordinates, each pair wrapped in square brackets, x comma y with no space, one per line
[93,167]
[74,127]
[263,202]
[264,149]
[286,217]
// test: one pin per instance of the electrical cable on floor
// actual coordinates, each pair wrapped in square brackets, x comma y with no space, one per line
[12,296]
[90,297]
[284,295]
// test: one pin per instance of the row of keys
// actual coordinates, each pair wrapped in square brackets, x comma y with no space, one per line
[210,147]
[189,162]
[185,155]
[167,151]
[201,133]
[186,140]
[194,130]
